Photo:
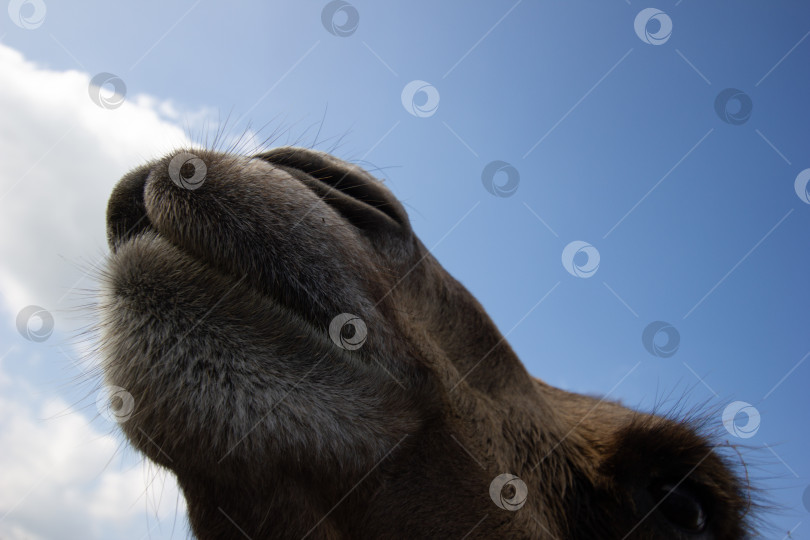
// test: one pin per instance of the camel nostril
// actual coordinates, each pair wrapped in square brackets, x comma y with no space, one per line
[681,506]
[126,212]
[353,192]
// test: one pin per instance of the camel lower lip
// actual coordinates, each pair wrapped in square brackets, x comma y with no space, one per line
[157,253]
[153,237]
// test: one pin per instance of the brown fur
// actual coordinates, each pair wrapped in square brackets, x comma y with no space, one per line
[216,309]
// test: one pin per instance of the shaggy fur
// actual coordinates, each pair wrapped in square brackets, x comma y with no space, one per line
[216,308]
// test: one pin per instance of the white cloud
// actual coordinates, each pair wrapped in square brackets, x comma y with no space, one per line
[62,155]
[65,476]
[62,475]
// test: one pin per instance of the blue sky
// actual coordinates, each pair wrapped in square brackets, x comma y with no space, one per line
[617,142]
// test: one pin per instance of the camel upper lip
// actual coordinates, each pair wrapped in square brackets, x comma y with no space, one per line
[278,258]
[360,201]
[128,219]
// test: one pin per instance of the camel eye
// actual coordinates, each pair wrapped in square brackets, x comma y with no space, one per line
[680,506]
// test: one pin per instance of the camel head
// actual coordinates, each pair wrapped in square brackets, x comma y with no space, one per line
[277,336]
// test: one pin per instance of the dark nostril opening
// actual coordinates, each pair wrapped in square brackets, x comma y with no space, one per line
[349,189]
[362,191]
[126,212]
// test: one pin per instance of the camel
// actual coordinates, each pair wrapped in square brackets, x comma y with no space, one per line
[277,336]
